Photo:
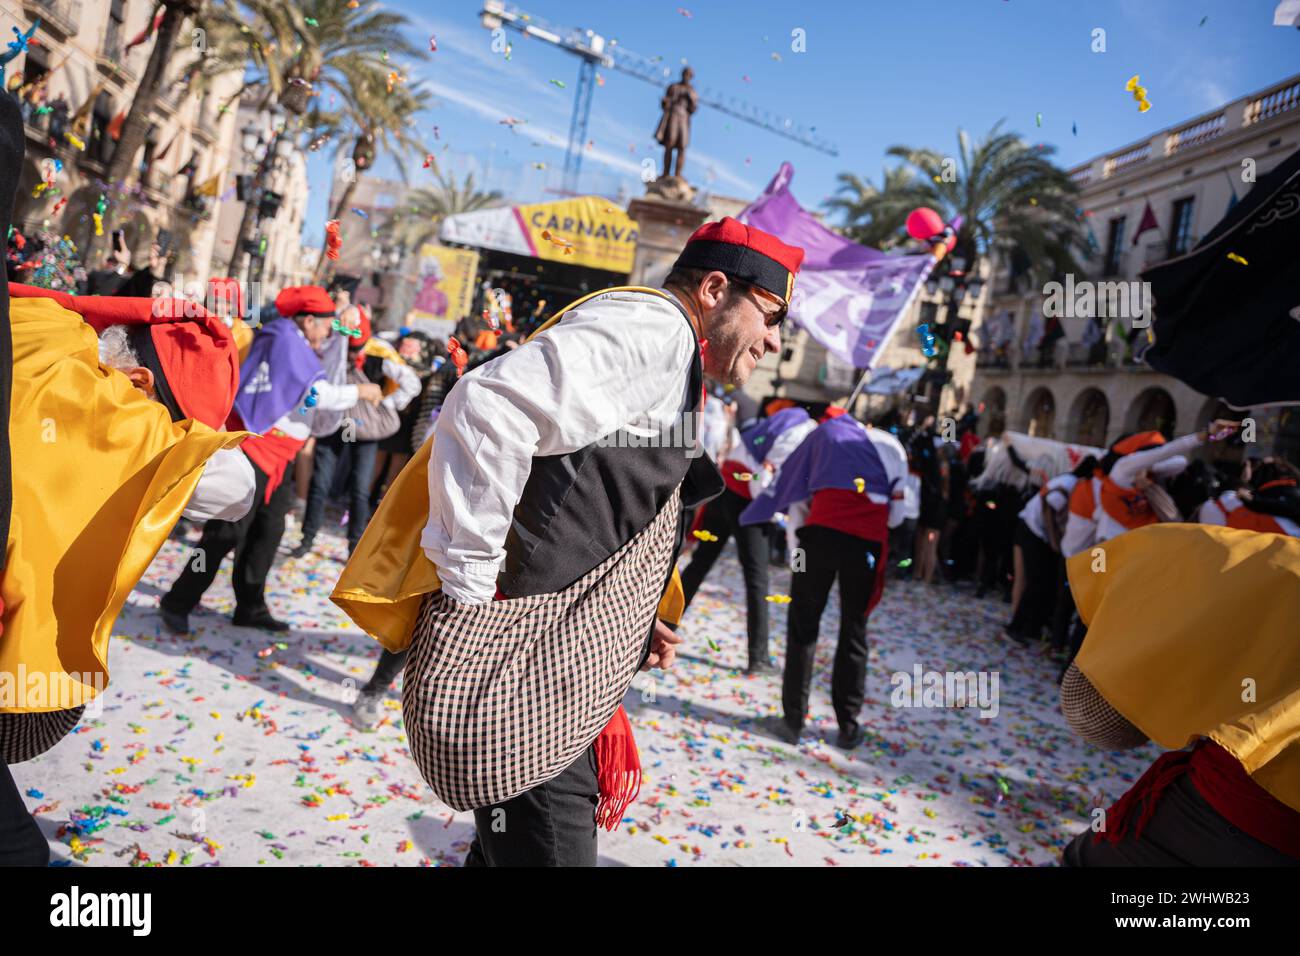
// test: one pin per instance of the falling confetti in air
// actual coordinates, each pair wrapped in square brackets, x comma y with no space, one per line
[1236,258]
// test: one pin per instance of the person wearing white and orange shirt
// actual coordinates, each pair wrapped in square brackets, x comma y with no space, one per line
[1268,501]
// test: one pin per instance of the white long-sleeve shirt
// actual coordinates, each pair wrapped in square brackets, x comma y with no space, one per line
[225,490]
[620,360]
[1084,531]
[1057,494]
[408,384]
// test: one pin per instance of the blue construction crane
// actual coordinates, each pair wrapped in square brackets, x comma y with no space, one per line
[594,50]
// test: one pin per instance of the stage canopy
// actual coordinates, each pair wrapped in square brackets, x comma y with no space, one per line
[585,231]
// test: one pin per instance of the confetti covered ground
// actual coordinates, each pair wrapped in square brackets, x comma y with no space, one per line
[234,746]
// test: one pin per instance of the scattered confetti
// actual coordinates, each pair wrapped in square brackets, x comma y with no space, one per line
[1236,258]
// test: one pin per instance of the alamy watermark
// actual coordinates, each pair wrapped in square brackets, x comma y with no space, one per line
[26,690]
[227,299]
[1110,300]
[938,689]
[682,433]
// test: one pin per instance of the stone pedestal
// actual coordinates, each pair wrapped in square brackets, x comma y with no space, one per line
[665,219]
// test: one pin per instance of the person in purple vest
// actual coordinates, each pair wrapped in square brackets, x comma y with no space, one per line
[280,376]
[753,462]
[842,490]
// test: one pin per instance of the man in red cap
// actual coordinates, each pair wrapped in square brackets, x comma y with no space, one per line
[280,379]
[114,437]
[526,556]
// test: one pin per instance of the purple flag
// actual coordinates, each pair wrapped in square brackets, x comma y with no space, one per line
[848,296]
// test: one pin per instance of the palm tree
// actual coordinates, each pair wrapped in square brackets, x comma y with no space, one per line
[1011,198]
[872,215]
[423,211]
[375,114]
[292,53]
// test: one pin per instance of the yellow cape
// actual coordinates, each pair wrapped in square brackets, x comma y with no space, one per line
[1186,621]
[386,578]
[100,477]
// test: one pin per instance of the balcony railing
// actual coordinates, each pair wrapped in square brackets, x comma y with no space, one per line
[1281,100]
[1198,133]
[1122,161]
[1275,102]
[63,16]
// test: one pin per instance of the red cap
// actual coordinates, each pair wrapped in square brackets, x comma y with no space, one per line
[196,350]
[304,299]
[833,411]
[746,252]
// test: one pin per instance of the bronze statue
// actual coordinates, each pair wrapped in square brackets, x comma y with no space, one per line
[674,131]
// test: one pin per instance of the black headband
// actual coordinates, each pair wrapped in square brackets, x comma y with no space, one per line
[141,339]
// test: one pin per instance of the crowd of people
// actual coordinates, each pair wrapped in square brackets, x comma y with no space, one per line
[518,498]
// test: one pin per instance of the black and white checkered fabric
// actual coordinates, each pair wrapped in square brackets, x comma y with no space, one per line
[503,696]
[1092,717]
[24,736]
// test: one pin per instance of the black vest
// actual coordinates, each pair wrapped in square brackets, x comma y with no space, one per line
[578,509]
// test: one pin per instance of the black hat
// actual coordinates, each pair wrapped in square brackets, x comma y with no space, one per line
[345,283]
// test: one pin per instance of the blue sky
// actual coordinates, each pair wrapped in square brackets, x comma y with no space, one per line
[874,74]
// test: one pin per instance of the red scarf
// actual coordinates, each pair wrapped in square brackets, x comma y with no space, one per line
[1223,783]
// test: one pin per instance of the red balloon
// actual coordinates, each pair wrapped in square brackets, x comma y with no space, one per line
[923,223]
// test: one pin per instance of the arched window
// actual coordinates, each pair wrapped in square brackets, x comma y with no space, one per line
[1089,418]
[1039,415]
[1153,410]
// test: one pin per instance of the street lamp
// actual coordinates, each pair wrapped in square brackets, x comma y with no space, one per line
[954,287]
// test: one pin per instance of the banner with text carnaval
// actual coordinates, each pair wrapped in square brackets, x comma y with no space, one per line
[444,287]
[848,296]
[584,231]
[601,234]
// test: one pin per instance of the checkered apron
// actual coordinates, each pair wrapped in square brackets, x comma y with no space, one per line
[24,736]
[503,696]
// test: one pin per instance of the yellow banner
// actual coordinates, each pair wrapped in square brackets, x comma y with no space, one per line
[586,231]
[444,288]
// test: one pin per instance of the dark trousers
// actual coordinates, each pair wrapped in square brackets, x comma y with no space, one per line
[553,824]
[21,841]
[830,554]
[254,538]
[361,469]
[722,518]
[386,671]
[1042,571]
[1184,831]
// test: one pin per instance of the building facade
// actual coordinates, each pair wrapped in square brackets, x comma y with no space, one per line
[1143,203]
[72,86]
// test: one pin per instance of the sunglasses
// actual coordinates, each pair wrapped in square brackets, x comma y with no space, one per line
[771,320]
